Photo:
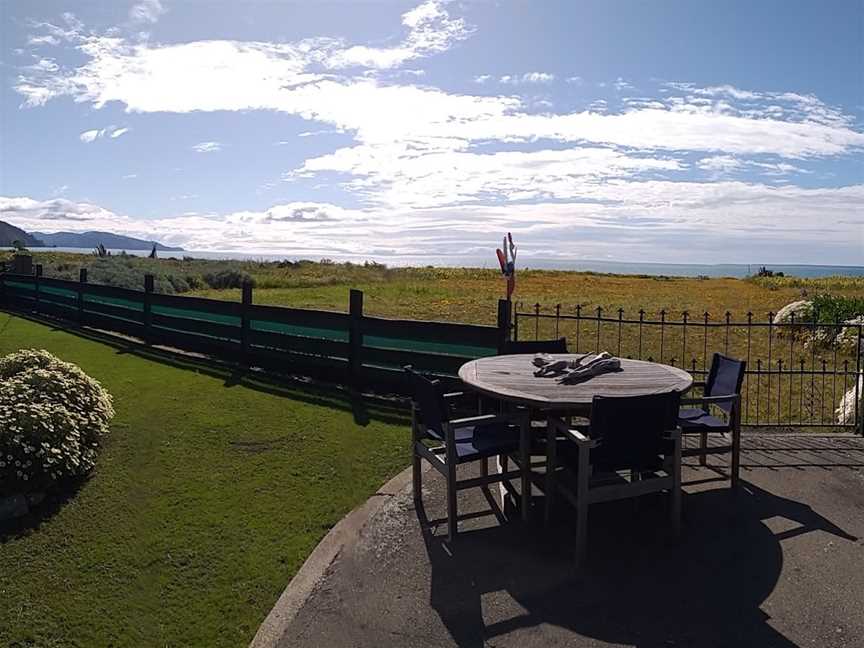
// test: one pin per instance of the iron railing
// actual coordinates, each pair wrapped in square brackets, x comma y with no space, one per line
[798,372]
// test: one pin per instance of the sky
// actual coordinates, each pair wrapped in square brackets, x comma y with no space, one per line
[655,131]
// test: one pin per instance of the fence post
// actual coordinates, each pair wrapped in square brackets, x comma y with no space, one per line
[355,335]
[859,381]
[148,317]
[244,322]
[82,279]
[37,272]
[505,310]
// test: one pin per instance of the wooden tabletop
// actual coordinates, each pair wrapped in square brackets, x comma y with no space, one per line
[511,378]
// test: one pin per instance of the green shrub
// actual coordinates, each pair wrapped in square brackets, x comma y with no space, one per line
[52,418]
[227,279]
[837,308]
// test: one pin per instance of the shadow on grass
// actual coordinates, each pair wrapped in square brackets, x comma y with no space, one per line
[363,406]
[638,588]
[55,499]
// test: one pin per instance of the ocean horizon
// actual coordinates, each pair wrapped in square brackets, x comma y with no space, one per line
[736,270]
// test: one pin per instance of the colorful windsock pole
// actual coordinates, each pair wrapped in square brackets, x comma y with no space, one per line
[507,261]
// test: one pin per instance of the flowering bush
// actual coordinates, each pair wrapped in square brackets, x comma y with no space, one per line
[846,410]
[848,336]
[52,417]
[801,311]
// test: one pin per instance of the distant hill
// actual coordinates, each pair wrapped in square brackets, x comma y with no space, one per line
[93,239]
[9,233]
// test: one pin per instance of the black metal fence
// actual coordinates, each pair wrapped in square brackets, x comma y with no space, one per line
[800,373]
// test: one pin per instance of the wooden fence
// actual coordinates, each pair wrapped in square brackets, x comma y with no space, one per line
[347,347]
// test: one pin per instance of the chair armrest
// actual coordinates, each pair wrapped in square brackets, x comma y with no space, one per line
[672,435]
[485,419]
[581,439]
[458,394]
[728,398]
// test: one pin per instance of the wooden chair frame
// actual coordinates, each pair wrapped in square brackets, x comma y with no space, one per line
[734,430]
[588,491]
[443,458]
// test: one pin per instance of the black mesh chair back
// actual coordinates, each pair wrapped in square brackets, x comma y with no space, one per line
[428,396]
[631,429]
[535,346]
[725,378]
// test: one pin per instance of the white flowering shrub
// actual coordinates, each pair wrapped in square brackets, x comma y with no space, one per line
[846,410]
[52,418]
[801,311]
[848,336]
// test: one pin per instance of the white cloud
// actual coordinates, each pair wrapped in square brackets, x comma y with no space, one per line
[146,11]
[620,84]
[130,176]
[110,131]
[46,39]
[207,147]
[720,164]
[431,30]
[650,220]
[483,78]
[528,77]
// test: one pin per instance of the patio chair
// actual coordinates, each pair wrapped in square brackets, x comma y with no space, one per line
[633,447]
[535,346]
[723,390]
[447,442]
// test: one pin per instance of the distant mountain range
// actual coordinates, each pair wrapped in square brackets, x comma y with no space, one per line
[93,239]
[10,233]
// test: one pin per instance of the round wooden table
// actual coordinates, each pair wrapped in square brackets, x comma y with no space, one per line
[511,378]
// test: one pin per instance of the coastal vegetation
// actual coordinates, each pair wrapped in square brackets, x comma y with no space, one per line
[453,294]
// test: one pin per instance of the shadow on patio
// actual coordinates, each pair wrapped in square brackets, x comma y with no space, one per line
[778,565]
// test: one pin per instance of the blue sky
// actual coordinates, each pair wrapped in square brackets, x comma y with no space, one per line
[631,131]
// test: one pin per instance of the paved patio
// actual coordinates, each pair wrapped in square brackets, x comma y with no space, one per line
[779,565]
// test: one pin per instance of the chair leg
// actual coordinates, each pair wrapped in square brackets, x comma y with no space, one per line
[417,477]
[551,458]
[736,455]
[582,507]
[525,460]
[452,514]
[703,446]
[676,489]
[503,467]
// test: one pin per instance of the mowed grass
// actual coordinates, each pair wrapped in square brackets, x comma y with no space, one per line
[206,500]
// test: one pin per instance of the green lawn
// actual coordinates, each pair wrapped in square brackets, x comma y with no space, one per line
[206,500]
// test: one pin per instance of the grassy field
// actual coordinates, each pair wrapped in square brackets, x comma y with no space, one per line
[471,295]
[207,498]
[453,294]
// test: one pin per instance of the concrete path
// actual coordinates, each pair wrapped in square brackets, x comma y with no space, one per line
[780,565]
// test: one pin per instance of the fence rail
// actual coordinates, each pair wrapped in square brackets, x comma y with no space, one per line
[800,374]
[346,347]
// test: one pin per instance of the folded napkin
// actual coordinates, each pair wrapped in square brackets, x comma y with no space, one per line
[576,370]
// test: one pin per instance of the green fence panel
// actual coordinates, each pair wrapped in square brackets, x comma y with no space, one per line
[216,318]
[425,346]
[338,335]
[114,301]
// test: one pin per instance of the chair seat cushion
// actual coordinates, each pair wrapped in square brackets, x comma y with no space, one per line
[478,441]
[698,420]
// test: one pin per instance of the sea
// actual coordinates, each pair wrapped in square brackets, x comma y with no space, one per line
[473,261]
